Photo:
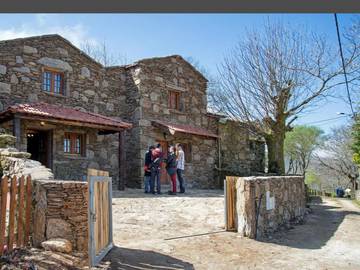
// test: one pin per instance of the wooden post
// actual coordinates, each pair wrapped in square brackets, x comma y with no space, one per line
[4,191]
[17,131]
[20,220]
[12,212]
[122,161]
[28,210]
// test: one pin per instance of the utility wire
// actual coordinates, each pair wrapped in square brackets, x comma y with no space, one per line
[343,65]
[325,120]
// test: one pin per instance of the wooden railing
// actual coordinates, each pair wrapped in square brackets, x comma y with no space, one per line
[15,212]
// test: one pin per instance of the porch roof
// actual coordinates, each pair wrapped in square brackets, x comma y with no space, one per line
[65,115]
[172,128]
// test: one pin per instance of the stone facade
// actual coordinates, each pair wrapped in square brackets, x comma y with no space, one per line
[137,93]
[88,87]
[282,202]
[61,211]
[154,79]
[241,155]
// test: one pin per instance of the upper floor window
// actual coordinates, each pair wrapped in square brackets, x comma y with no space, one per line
[74,143]
[174,100]
[53,82]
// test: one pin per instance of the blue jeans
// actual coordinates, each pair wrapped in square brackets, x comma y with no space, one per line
[181,180]
[155,173]
[147,179]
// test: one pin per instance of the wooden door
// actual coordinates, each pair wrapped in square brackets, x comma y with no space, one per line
[100,215]
[163,173]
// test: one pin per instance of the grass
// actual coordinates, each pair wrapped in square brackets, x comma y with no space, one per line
[356,203]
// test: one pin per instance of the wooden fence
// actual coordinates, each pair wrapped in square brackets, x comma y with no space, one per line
[15,212]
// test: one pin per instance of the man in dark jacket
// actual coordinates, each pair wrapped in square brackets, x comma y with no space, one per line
[155,166]
[147,171]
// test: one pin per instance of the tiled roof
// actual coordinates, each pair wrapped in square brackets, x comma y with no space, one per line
[55,112]
[184,129]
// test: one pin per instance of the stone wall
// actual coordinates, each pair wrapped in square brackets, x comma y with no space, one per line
[17,163]
[240,155]
[137,93]
[154,79]
[88,87]
[282,203]
[61,211]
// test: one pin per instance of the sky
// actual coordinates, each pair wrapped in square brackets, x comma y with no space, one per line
[204,37]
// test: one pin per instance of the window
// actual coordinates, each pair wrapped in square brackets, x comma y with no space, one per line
[174,100]
[74,143]
[53,82]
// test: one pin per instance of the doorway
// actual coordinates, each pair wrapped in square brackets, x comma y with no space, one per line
[39,146]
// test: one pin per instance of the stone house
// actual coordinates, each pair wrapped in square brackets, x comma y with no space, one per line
[71,113]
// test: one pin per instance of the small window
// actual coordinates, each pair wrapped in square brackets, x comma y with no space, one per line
[174,100]
[53,82]
[74,143]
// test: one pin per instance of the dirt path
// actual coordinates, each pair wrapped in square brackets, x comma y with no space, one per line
[186,232]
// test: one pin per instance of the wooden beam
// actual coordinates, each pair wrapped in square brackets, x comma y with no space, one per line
[17,131]
[122,161]
[72,123]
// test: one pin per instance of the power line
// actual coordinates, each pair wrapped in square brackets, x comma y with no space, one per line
[343,64]
[325,120]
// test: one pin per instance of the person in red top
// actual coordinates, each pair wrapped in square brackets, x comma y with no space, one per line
[155,165]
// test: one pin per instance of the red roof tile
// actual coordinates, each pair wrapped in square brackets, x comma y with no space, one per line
[50,111]
[185,129]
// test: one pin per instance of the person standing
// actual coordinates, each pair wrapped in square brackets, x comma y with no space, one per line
[171,169]
[155,170]
[180,167]
[147,171]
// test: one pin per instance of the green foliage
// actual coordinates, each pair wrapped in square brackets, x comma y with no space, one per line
[356,141]
[300,144]
[311,178]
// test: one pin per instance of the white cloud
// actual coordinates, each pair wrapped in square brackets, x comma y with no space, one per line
[76,34]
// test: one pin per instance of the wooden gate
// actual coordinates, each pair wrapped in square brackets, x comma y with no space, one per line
[100,215]
[230,202]
[15,212]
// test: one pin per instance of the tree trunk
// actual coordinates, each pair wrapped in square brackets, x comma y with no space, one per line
[275,147]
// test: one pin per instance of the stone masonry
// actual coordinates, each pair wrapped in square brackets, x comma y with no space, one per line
[88,87]
[137,93]
[61,211]
[282,202]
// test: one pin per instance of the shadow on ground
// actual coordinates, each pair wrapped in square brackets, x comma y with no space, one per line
[319,226]
[191,193]
[130,259]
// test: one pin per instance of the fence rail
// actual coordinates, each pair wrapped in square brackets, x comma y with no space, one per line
[15,212]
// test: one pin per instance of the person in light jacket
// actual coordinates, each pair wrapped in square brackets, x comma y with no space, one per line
[180,166]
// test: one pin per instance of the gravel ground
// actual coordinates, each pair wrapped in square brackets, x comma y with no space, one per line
[187,232]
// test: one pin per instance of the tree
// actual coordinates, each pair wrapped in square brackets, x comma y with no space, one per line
[313,180]
[300,144]
[337,155]
[102,54]
[273,75]
[356,141]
